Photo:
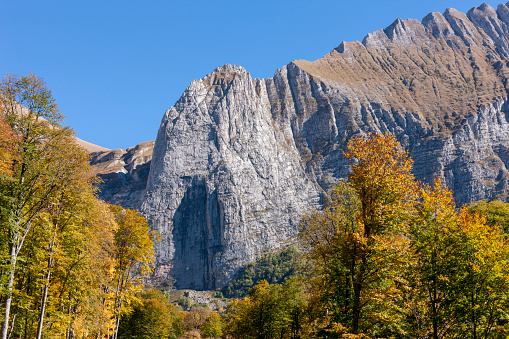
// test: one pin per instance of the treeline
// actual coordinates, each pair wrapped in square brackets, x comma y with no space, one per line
[154,317]
[274,268]
[70,264]
[392,258]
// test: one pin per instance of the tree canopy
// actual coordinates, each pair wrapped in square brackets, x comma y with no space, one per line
[69,263]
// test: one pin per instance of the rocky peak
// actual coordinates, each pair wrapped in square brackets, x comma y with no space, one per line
[237,161]
[225,184]
[406,32]
[438,26]
[123,173]
[503,13]
[488,19]
[465,29]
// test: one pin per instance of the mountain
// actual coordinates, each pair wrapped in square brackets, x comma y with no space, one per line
[237,161]
[89,147]
[123,172]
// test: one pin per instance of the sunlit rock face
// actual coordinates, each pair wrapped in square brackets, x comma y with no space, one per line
[226,182]
[123,173]
[237,161]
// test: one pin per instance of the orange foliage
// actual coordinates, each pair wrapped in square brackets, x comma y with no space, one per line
[7,138]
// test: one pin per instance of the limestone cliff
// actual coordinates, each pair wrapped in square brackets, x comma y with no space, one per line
[226,182]
[123,173]
[238,160]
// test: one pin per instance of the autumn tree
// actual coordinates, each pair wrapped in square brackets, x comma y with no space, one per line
[270,311]
[64,217]
[430,286]
[458,279]
[358,240]
[74,266]
[386,188]
[483,256]
[213,326]
[496,213]
[7,142]
[135,258]
[67,260]
[70,264]
[382,177]
[153,317]
[82,305]
[41,165]
[329,235]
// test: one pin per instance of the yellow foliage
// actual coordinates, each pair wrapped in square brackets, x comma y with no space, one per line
[382,177]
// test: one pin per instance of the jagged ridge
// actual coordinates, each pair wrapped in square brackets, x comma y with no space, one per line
[237,161]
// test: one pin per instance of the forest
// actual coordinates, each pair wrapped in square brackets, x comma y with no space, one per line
[70,264]
[386,257]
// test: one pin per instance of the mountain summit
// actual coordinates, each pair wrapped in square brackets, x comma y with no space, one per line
[237,161]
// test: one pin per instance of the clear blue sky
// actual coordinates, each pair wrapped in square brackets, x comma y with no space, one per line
[115,66]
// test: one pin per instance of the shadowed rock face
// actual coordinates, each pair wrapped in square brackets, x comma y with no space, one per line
[123,173]
[238,161]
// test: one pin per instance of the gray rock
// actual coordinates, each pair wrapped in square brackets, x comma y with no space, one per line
[226,184]
[123,173]
[238,161]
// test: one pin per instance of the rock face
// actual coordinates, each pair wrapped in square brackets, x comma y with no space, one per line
[226,183]
[238,161]
[123,173]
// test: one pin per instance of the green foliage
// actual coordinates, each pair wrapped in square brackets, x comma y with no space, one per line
[134,256]
[358,245]
[69,264]
[459,277]
[185,302]
[152,318]
[46,170]
[275,268]
[394,259]
[213,326]
[270,311]
[386,256]
[431,293]
[496,212]
[218,294]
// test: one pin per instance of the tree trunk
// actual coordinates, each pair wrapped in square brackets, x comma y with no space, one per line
[435,320]
[357,295]
[43,305]
[474,322]
[117,307]
[10,284]
[115,334]
[12,325]
[356,308]
[45,291]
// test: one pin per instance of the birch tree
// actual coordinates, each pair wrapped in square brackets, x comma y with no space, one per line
[39,167]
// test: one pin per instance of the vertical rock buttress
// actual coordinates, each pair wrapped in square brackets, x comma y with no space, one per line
[225,184]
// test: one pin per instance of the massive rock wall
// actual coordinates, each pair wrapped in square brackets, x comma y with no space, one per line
[238,161]
[226,183]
